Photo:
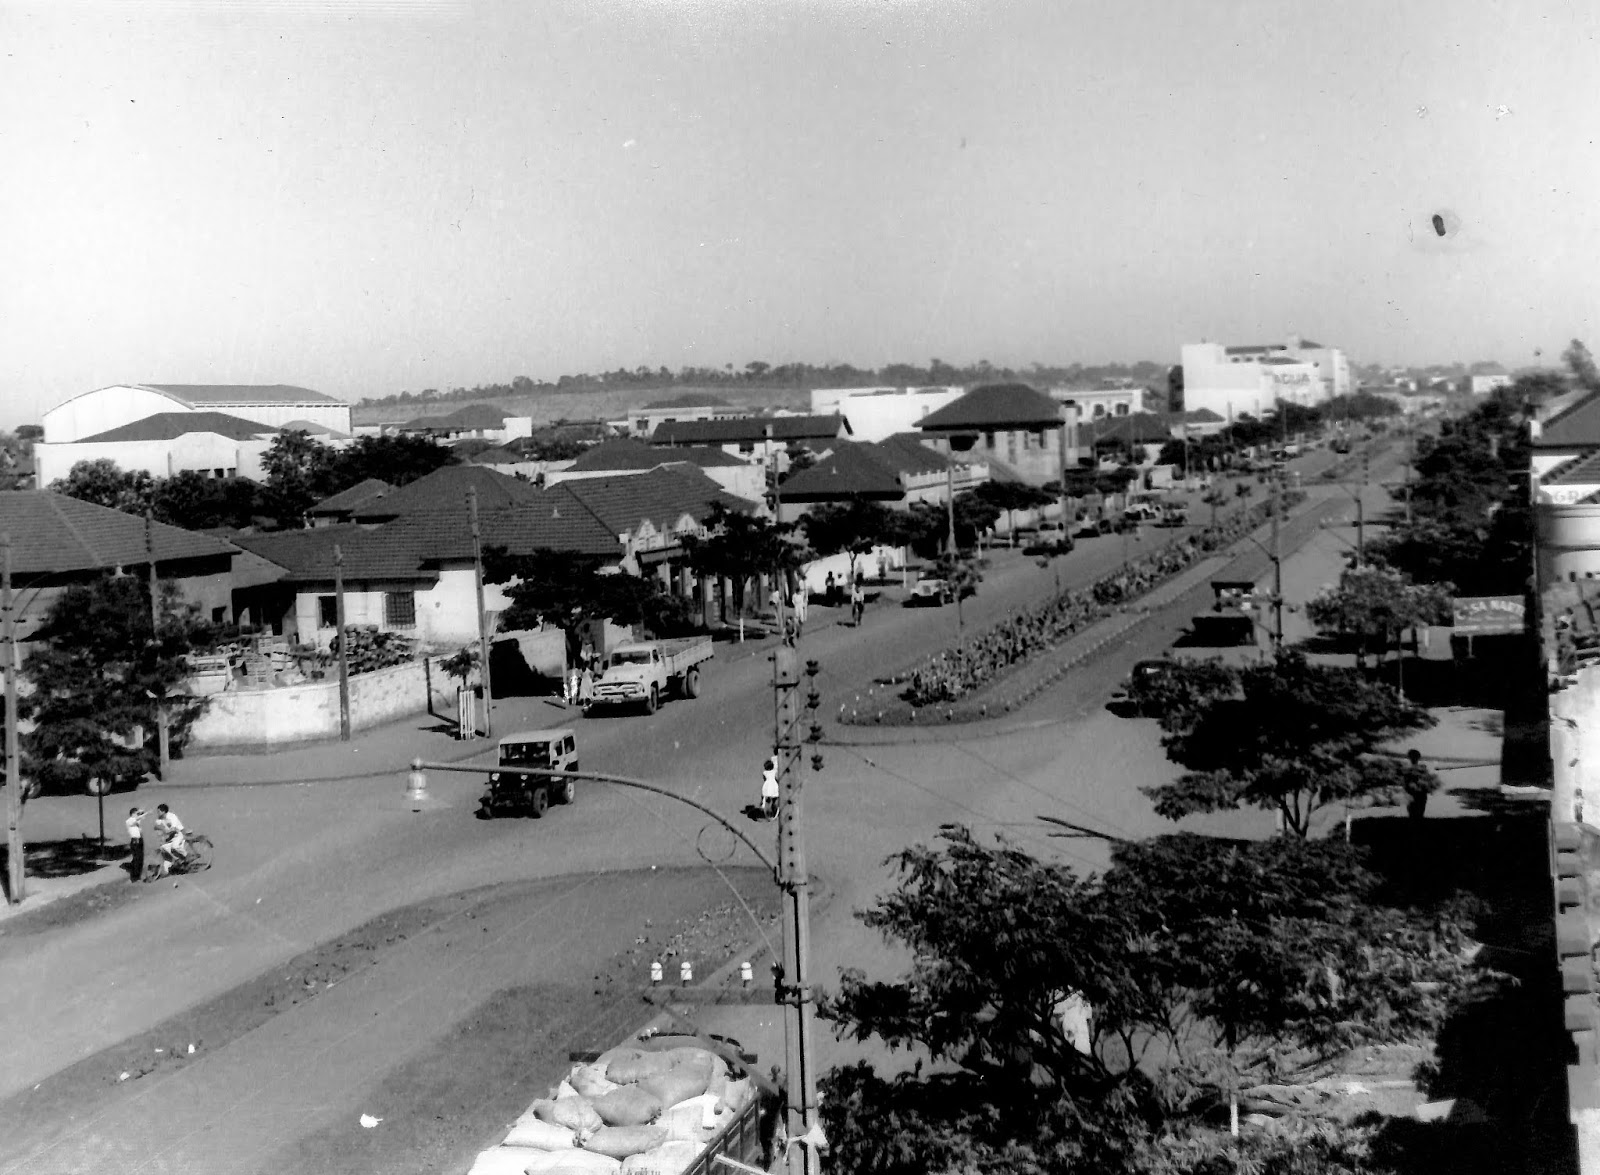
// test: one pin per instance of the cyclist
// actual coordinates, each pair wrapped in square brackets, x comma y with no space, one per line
[174,843]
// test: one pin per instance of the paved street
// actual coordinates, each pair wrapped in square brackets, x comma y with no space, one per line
[301,862]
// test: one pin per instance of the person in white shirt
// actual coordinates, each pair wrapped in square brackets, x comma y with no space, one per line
[174,846]
[135,829]
[769,790]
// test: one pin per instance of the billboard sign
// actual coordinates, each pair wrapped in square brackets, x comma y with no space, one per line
[1488,615]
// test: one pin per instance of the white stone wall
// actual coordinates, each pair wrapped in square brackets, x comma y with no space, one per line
[310,712]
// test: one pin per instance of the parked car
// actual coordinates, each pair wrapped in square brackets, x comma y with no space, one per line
[1094,527]
[519,783]
[1143,682]
[935,592]
[1050,539]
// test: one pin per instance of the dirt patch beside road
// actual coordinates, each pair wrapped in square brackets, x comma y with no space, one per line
[440,1106]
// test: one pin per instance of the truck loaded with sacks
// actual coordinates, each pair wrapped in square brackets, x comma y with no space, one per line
[664,1105]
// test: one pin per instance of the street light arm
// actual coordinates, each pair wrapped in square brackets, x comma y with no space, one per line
[620,781]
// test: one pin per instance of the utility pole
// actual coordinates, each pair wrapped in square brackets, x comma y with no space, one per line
[483,619]
[8,635]
[163,744]
[344,652]
[1066,524]
[1277,566]
[1361,513]
[792,988]
[950,538]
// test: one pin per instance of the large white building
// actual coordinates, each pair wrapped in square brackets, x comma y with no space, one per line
[1234,381]
[165,429]
[876,414]
[90,413]
[1097,403]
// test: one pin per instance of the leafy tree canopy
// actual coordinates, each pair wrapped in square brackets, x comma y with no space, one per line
[1376,604]
[566,590]
[1206,963]
[1298,738]
[99,675]
[856,527]
[105,483]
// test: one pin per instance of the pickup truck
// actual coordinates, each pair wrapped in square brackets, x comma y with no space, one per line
[642,672]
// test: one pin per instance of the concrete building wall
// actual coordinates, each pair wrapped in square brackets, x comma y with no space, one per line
[202,452]
[446,611]
[310,712]
[878,413]
[1096,403]
[1036,454]
[102,410]
[1568,542]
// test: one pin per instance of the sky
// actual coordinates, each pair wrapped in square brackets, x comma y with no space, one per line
[366,197]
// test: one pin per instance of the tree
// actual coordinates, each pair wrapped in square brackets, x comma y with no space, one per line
[98,678]
[565,589]
[1298,738]
[1206,963]
[298,472]
[1011,496]
[928,523]
[1377,604]
[738,546]
[196,502]
[104,483]
[1582,366]
[398,460]
[856,527]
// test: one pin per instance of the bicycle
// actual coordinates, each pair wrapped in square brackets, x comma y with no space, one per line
[197,859]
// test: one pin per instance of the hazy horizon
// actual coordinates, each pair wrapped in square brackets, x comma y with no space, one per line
[373,197]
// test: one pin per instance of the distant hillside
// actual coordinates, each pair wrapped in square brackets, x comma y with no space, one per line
[606,404]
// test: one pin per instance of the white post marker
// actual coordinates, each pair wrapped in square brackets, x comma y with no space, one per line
[417,786]
[655,973]
[685,972]
[747,976]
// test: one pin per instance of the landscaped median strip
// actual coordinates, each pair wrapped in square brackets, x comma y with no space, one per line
[970,705]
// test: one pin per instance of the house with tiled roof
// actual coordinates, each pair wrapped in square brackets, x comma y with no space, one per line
[486,422]
[1571,433]
[1013,423]
[341,507]
[57,541]
[413,575]
[446,489]
[624,456]
[896,472]
[645,419]
[762,440]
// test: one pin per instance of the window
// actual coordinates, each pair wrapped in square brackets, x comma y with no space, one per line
[327,612]
[400,609]
[219,615]
[1122,409]
[988,441]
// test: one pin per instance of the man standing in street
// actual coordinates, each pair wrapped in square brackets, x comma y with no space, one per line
[135,844]
[858,601]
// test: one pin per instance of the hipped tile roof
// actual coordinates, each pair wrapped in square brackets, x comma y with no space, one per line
[995,406]
[742,429]
[52,533]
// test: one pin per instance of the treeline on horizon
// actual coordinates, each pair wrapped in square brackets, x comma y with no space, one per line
[794,376]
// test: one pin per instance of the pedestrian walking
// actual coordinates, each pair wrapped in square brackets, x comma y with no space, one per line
[858,602]
[769,790]
[830,591]
[135,844]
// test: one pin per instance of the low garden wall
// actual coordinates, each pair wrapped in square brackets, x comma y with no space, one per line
[266,718]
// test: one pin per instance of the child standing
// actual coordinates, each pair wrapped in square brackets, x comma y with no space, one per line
[135,844]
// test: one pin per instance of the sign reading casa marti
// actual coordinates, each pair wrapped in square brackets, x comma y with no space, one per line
[1488,615]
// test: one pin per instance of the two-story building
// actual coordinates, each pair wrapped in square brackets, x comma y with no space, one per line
[1023,432]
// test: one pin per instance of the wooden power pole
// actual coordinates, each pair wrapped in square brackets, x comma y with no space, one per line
[483,618]
[344,652]
[792,987]
[163,738]
[8,636]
